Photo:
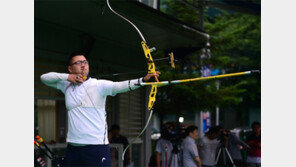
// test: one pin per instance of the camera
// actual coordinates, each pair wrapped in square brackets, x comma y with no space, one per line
[223,136]
[174,132]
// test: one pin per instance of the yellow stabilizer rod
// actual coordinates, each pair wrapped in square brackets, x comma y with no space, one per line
[197,79]
[172,60]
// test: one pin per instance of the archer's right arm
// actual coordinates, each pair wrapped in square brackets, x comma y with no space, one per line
[52,78]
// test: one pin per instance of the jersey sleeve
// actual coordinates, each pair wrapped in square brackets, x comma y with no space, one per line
[105,87]
[125,86]
[61,85]
[55,80]
[109,88]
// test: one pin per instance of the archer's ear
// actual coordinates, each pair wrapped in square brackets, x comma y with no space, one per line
[70,69]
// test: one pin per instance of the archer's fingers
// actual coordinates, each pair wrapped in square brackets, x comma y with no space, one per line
[156,74]
[79,78]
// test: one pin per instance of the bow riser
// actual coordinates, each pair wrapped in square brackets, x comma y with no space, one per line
[151,70]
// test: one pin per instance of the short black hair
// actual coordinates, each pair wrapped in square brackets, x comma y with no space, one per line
[219,127]
[190,129]
[73,54]
[214,130]
[255,123]
[115,127]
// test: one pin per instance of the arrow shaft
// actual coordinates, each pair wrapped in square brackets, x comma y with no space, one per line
[194,79]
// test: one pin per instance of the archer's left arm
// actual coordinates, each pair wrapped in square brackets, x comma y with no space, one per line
[125,86]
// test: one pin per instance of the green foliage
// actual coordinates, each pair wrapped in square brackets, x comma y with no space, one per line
[235,47]
[180,11]
[237,36]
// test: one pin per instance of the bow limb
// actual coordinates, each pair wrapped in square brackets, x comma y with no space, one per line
[147,52]
[151,70]
[147,123]
[126,20]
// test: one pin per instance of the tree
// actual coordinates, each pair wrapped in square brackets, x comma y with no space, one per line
[235,46]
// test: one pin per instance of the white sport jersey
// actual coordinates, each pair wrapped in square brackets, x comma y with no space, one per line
[86,105]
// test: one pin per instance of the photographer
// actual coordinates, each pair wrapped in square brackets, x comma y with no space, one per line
[164,147]
[207,146]
[254,141]
[232,143]
[190,153]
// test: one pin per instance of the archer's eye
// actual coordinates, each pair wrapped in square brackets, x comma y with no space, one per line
[85,62]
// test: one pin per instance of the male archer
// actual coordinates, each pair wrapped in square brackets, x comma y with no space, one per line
[85,99]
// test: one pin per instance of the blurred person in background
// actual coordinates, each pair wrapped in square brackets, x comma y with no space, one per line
[164,147]
[190,152]
[118,138]
[109,136]
[233,144]
[254,141]
[208,146]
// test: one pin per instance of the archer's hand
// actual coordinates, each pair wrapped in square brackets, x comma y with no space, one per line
[148,76]
[75,78]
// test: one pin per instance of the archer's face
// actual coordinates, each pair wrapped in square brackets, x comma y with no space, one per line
[79,65]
